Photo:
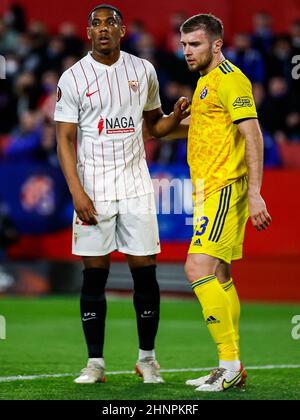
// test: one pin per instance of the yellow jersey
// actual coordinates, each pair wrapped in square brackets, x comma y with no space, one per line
[216,148]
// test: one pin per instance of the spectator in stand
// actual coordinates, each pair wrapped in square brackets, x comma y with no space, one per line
[271,151]
[276,106]
[25,143]
[172,59]
[145,47]
[27,91]
[15,18]
[8,38]
[34,46]
[295,37]
[293,127]
[262,38]
[249,60]
[176,20]
[68,62]
[278,62]
[135,30]
[47,101]
[48,148]
[73,44]
[8,108]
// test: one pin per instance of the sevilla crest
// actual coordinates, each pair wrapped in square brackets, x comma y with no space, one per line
[134,85]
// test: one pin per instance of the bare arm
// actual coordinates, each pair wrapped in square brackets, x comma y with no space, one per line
[181,132]
[159,125]
[66,138]
[254,159]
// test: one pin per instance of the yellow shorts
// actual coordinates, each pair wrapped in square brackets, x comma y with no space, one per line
[219,225]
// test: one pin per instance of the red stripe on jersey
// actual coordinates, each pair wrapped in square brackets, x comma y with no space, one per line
[97,86]
[137,78]
[83,175]
[125,166]
[77,90]
[109,88]
[103,171]
[145,73]
[132,169]
[128,82]
[94,174]
[87,83]
[140,159]
[113,143]
[118,87]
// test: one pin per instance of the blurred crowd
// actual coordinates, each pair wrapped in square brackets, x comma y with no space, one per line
[35,60]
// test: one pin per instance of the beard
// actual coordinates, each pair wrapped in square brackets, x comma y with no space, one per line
[203,64]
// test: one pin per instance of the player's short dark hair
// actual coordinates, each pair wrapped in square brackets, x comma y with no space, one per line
[209,23]
[106,6]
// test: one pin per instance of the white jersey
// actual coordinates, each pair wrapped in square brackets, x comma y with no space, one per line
[107,103]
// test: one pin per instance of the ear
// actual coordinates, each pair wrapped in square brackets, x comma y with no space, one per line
[123,31]
[88,31]
[218,44]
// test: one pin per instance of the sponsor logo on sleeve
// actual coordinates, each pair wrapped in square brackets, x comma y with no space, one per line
[58,94]
[243,102]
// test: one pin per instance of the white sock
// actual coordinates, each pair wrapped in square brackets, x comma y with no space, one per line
[99,361]
[233,365]
[143,354]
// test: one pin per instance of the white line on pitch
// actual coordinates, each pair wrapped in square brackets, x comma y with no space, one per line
[131,372]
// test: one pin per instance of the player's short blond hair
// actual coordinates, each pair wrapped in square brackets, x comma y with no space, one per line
[209,23]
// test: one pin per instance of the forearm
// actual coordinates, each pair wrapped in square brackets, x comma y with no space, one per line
[68,162]
[180,132]
[254,162]
[163,126]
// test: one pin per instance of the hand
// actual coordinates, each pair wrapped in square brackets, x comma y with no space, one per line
[258,212]
[84,208]
[182,108]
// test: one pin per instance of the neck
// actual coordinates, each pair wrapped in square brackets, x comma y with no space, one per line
[107,59]
[214,63]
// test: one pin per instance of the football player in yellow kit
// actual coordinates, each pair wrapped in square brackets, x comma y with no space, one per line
[225,155]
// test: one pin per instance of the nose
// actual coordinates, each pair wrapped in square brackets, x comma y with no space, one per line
[187,51]
[103,28]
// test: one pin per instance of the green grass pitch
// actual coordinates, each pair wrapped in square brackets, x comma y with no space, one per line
[44,338]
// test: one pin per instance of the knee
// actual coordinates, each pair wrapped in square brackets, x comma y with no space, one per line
[145,282]
[94,282]
[197,269]
[192,271]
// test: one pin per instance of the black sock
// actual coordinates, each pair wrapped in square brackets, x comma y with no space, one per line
[146,300]
[93,309]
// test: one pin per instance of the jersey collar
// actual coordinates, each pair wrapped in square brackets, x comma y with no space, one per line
[95,63]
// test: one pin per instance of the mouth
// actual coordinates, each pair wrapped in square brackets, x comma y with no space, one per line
[103,40]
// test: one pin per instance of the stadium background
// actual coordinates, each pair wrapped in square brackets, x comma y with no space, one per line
[39,40]
[38,43]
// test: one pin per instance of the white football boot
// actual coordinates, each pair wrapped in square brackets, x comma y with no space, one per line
[200,381]
[93,373]
[149,370]
[223,379]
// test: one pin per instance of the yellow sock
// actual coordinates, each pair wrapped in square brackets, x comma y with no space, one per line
[235,308]
[217,314]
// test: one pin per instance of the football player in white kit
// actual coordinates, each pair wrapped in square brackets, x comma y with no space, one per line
[102,101]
